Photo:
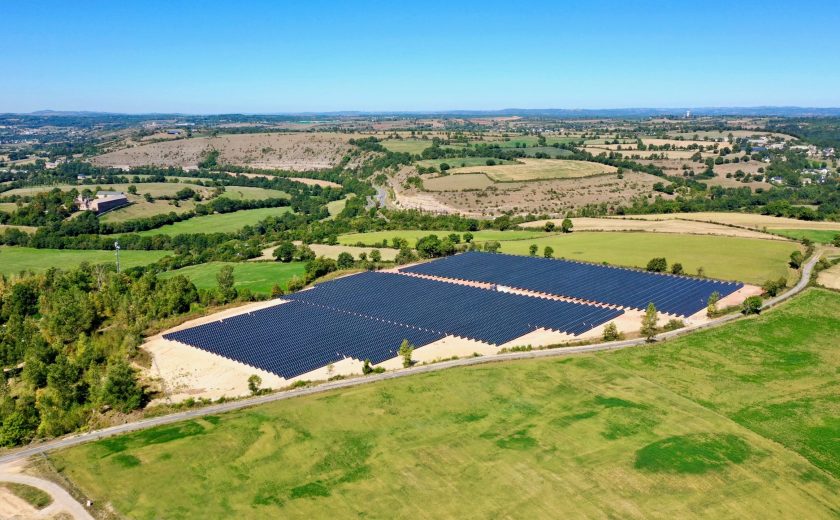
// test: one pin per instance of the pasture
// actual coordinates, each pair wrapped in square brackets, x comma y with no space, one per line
[539,169]
[259,277]
[412,146]
[376,237]
[820,236]
[464,181]
[15,259]
[460,162]
[703,426]
[728,258]
[217,223]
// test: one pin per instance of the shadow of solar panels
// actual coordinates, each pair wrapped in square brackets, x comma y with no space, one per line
[469,312]
[295,338]
[680,295]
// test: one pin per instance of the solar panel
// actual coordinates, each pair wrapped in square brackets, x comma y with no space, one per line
[680,295]
[293,338]
[469,312]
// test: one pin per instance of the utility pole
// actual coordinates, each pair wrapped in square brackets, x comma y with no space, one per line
[117,248]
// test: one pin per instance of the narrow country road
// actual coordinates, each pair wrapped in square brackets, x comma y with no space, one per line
[142,424]
[62,501]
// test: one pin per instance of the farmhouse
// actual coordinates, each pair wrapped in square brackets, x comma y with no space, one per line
[104,201]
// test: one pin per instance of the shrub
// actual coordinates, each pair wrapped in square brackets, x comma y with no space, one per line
[657,265]
[751,305]
[677,268]
[611,332]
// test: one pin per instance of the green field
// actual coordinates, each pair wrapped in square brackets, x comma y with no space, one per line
[728,258]
[250,193]
[16,259]
[31,495]
[412,146]
[820,236]
[376,237]
[730,423]
[217,223]
[460,162]
[259,277]
[528,140]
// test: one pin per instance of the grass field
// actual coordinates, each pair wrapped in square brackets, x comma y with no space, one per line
[528,140]
[464,181]
[369,239]
[738,422]
[751,220]
[16,259]
[217,223]
[460,162]
[821,236]
[536,169]
[259,277]
[412,146]
[251,193]
[729,258]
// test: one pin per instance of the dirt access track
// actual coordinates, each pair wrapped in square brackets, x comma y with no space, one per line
[287,151]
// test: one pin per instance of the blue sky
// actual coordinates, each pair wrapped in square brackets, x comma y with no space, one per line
[248,56]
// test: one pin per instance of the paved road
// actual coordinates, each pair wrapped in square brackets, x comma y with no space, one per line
[246,403]
[62,501]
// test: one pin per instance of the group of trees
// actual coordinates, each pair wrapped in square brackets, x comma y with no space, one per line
[67,342]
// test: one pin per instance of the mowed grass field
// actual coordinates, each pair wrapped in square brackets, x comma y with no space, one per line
[746,259]
[412,146]
[738,422]
[15,259]
[217,223]
[459,162]
[376,237]
[820,236]
[259,277]
[537,169]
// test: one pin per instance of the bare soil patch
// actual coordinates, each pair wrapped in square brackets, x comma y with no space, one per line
[290,151]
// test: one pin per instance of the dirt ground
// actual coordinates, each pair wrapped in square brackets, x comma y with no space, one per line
[552,197]
[750,220]
[13,507]
[830,278]
[665,226]
[290,151]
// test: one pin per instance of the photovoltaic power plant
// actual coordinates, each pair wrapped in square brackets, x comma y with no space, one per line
[449,308]
[293,338]
[673,294]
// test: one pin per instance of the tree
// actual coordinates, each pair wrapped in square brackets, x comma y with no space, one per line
[468,237]
[836,241]
[657,265]
[375,256]
[254,382]
[649,321]
[549,226]
[285,252]
[566,225]
[677,268]
[751,305]
[304,253]
[711,304]
[225,281]
[611,332]
[428,246]
[132,189]
[366,368]
[532,250]
[345,260]
[405,352]
[120,390]
[548,252]
[796,259]
[492,246]
[319,267]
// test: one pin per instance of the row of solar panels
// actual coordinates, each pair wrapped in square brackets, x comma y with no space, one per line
[470,312]
[294,338]
[367,316]
[680,295]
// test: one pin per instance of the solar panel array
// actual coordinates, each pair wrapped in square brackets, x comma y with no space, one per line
[294,338]
[680,295]
[469,312]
